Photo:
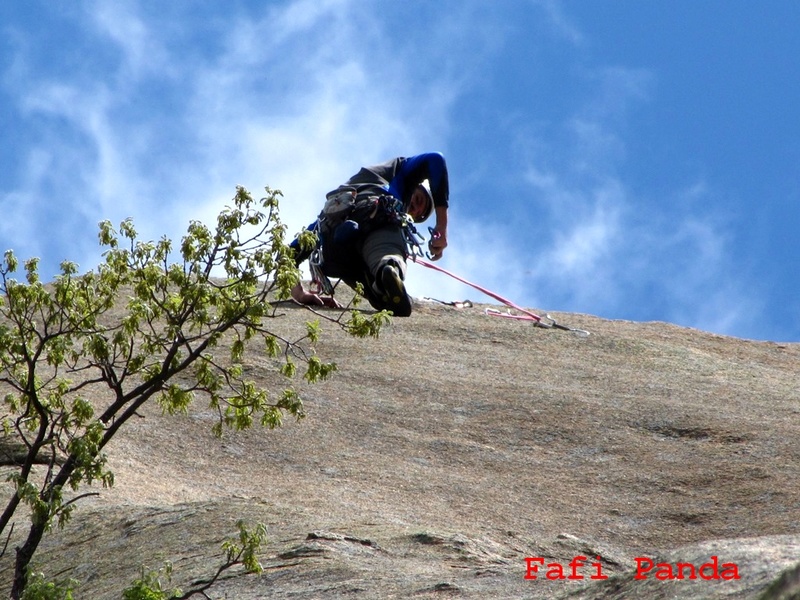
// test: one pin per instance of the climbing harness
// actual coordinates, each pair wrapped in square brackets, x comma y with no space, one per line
[340,207]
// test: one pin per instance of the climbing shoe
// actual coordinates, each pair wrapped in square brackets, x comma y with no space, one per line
[394,292]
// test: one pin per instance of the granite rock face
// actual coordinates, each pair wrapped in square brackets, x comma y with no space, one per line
[444,458]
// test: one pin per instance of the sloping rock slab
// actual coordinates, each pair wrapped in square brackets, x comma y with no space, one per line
[768,569]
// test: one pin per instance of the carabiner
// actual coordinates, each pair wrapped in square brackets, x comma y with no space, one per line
[435,235]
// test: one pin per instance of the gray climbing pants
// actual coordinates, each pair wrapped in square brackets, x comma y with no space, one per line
[384,245]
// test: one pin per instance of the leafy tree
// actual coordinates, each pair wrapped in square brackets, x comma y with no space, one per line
[38,588]
[241,553]
[74,368]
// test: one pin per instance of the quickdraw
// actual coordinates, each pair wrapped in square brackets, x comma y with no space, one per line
[546,321]
[320,284]
[413,239]
[454,303]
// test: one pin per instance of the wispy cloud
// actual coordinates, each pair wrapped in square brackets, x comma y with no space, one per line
[142,46]
[621,254]
[560,23]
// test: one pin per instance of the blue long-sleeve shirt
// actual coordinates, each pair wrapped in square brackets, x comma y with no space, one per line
[398,177]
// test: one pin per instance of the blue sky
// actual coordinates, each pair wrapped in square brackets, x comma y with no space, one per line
[627,159]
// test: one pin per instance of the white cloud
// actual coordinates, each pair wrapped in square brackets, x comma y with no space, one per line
[141,46]
[688,259]
[560,22]
[619,254]
[580,251]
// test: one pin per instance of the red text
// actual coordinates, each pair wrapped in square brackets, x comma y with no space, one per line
[646,567]
[554,570]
